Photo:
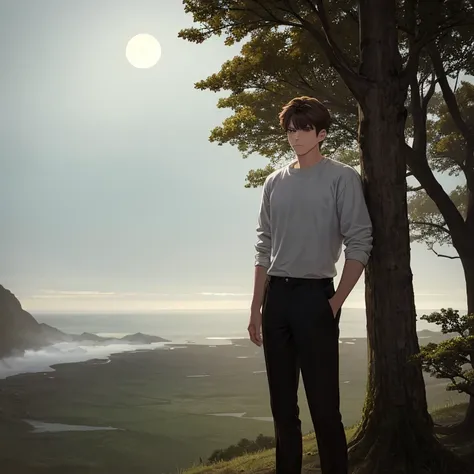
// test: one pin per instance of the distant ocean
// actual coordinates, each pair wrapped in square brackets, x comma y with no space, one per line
[210,328]
[199,327]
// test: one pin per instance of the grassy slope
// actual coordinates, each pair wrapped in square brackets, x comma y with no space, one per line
[163,415]
[263,462]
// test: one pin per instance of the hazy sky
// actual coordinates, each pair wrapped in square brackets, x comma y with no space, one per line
[112,197]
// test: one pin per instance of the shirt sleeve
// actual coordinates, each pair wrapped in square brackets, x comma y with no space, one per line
[264,238]
[354,220]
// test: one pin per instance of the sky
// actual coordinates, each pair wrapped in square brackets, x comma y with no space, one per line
[112,197]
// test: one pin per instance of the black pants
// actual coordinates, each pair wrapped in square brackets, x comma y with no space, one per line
[300,333]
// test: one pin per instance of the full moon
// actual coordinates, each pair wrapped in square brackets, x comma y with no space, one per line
[143,51]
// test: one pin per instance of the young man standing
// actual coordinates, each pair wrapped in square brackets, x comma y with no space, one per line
[308,210]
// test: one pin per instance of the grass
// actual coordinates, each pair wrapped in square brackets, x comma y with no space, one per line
[263,462]
[163,416]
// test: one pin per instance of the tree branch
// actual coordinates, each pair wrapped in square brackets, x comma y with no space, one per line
[418,164]
[415,44]
[322,91]
[303,79]
[451,257]
[352,14]
[302,85]
[453,107]
[425,33]
[432,224]
[329,100]
[354,81]
[429,93]
[419,117]
[271,16]
[448,94]
[323,17]
[462,19]
[412,189]
[313,88]
[457,81]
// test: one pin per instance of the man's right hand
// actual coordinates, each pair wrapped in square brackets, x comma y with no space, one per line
[255,327]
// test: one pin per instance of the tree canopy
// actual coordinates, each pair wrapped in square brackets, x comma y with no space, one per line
[451,359]
[277,63]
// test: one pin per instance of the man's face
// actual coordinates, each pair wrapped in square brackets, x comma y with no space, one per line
[303,141]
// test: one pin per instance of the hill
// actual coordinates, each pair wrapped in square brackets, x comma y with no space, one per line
[19,330]
[263,462]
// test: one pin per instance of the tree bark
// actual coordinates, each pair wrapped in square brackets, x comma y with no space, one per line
[467,260]
[396,432]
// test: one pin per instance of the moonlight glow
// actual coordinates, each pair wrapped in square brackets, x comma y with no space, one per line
[143,51]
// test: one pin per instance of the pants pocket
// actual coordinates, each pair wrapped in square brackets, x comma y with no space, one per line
[327,294]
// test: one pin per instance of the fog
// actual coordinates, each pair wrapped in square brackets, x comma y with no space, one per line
[65,352]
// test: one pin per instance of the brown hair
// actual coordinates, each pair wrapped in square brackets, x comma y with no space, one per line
[305,112]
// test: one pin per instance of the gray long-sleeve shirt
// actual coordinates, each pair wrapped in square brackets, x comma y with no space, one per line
[306,214]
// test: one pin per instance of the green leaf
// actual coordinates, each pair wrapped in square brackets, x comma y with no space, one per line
[451,359]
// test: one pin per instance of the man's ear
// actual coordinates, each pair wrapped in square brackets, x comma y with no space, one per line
[322,135]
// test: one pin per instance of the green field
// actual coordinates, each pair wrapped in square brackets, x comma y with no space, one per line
[162,411]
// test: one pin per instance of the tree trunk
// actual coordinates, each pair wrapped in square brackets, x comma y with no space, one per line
[467,425]
[467,260]
[468,255]
[396,432]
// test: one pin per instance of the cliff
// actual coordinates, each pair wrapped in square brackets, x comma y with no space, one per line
[20,331]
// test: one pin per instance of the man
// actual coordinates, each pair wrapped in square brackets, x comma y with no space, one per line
[309,209]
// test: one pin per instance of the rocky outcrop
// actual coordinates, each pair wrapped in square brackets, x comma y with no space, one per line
[140,338]
[20,331]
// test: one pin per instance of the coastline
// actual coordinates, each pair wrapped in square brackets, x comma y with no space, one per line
[168,406]
[26,364]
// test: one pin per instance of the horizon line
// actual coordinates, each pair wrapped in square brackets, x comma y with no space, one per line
[190,310]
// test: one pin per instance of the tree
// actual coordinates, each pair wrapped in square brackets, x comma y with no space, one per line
[277,65]
[451,359]
[396,431]
[450,218]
